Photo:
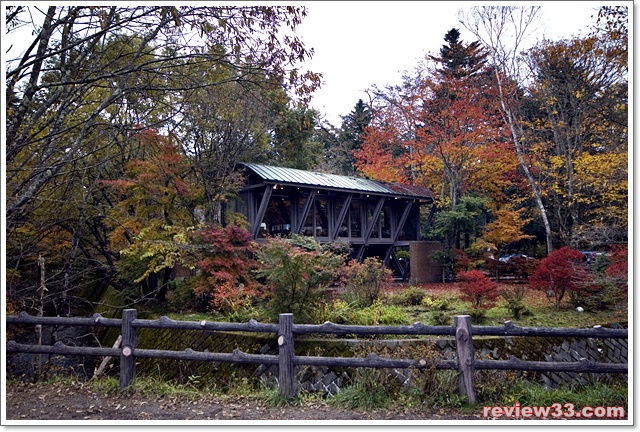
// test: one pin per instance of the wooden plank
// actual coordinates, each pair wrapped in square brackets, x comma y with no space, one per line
[286,366]
[129,345]
[106,360]
[466,357]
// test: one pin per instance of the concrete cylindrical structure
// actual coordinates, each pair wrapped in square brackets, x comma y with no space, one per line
[423,267]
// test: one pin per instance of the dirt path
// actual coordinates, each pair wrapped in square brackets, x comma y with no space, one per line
[63,402]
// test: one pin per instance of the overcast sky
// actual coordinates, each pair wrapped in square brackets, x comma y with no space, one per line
[358,44]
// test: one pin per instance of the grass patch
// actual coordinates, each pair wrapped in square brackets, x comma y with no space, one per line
[596,394]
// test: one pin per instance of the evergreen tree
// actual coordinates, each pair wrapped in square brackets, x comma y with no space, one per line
[459,60]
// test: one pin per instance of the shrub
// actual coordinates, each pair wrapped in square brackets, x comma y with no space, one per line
[514,297]
[412,296]
[618,269]
[378,314]
[440,303]
[363,282]
[297,272]
[440,318]
[226,270]
[478,289]
[601,295]
[561,270]
[601,264]
[180,295]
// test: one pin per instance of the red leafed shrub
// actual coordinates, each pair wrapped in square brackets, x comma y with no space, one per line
[477,288]
[619,268]
[561,271]
[226,269]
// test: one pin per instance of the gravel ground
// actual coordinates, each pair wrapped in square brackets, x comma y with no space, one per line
[56,401]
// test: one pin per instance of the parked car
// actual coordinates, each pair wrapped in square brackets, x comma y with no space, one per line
[590,257]
[507,258]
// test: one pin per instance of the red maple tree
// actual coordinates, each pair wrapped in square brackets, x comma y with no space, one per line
[477,288]
[561,271]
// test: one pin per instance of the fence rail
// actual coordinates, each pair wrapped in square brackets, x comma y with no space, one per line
[465,362]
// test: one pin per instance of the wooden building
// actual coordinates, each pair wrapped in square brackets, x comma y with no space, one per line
[376,218]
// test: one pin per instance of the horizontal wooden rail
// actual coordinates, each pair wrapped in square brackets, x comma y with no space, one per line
[342,329]
[96,321]
[582,365]
[252,326]
[287,362]
[510,329]
[62,349]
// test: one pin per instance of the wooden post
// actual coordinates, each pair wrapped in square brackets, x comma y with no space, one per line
[129,344]
[466,357]
[41,289]
[286,368]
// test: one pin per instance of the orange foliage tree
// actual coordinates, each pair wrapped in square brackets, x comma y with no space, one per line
[441,129]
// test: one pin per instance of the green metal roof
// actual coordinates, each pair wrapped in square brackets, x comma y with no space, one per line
[272,174]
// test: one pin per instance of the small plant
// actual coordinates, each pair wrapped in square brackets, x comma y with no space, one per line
[440,318]
[514,297]
[362,395]
[180,295]
[363,282]
[440,303]
[412,296]
[378,314]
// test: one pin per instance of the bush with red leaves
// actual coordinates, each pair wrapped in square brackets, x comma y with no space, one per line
[619,267]
[477,288]
[561,271]
[226,270]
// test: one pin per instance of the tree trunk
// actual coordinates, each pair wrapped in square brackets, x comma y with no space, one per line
[525,167]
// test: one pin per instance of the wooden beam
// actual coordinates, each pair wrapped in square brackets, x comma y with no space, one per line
[387,256]
[374,217]
[403,273]
[305,210]
[341,216]
[402,221]
[262,210]
[432,213]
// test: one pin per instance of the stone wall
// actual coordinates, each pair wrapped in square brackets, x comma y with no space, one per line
[329,380]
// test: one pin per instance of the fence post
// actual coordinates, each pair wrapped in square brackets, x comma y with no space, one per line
[466,357]
[286,368]
[129,344]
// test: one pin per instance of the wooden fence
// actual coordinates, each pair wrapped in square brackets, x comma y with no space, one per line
[465,362]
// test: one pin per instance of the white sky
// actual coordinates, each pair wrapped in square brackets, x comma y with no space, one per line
[358,44]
